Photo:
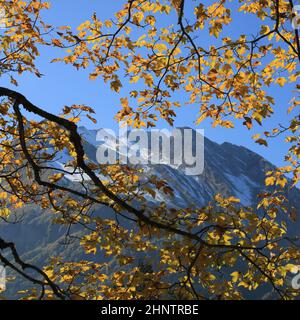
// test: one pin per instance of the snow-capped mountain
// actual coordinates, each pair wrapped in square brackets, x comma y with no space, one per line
[229,169]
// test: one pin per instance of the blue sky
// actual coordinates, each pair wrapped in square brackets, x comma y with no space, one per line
[62,85]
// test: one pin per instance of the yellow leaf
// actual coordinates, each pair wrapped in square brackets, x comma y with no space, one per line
[3,195]
[262,142]
[4,212]
[292,268]
[160,47]
[281,81]
[134,79]
[270,181]
[235,275]
[116,85]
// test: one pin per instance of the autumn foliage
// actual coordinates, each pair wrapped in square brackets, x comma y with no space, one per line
[220,251]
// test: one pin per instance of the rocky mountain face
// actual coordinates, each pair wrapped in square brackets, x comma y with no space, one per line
[228,169]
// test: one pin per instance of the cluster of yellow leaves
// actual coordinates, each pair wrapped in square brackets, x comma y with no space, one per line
[143,268]
[228,79]
[278,177]
[21,35]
